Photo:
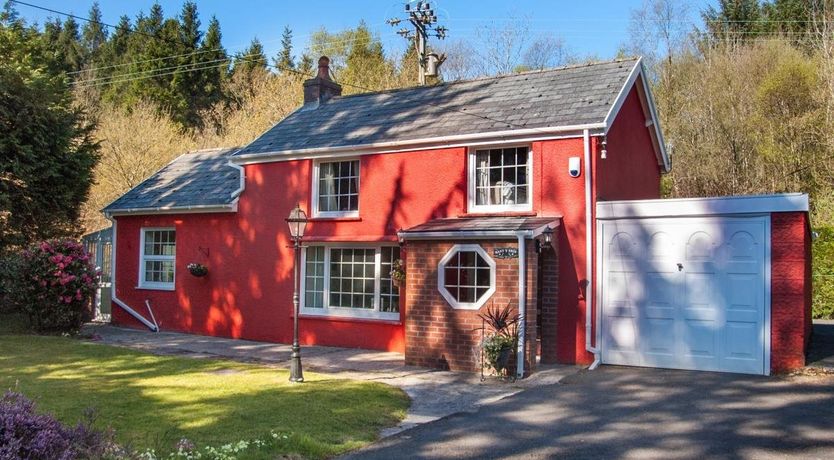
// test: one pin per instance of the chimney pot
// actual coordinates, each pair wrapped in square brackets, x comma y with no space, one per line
[324,68]
[322,87]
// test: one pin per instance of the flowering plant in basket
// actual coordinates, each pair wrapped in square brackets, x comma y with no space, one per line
[198,270]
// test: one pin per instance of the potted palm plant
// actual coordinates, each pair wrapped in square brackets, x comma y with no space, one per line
[501,341]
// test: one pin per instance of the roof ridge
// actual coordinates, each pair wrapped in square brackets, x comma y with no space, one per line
[493,77]
[212,149]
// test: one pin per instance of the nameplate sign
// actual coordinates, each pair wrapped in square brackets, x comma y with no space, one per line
[505,253]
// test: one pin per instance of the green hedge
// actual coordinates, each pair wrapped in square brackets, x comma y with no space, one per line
[824,273]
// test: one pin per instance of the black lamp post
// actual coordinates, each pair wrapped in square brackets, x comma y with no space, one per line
[296,221]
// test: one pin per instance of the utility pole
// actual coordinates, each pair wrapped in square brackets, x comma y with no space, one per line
[421,15]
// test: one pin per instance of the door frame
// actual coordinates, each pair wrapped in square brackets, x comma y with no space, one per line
[599,248]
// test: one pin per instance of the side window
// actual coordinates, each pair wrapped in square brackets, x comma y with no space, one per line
[158,257]
[336,189]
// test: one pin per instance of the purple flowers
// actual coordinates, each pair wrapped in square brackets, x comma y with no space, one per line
[26,434]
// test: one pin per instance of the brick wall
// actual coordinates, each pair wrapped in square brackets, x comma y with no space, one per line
[549,299]
[790,290]
[440,336]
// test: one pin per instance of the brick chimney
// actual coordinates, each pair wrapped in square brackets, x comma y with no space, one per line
[322,87]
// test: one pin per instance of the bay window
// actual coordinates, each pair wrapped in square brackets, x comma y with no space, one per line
[351,281]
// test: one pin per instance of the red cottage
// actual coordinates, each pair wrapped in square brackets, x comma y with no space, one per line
[536,190]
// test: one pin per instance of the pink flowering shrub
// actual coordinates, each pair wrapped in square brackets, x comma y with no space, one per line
[56,284]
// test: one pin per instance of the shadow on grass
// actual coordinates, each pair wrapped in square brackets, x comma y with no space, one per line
[153,401]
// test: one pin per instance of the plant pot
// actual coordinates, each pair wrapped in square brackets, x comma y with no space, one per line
[398,282]
[504,356]
[199,271]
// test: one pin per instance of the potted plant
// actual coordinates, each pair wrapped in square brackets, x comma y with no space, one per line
[198,270]
[501,341]
[398,272]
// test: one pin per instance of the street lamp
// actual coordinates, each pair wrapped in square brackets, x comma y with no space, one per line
[296,221]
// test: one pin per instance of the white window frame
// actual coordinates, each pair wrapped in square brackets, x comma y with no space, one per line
[441,277]
[315,201]
[473,207]
[145,258]
[346,312]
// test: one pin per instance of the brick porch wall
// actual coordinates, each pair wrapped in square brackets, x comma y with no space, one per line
[549,262]
[440,336]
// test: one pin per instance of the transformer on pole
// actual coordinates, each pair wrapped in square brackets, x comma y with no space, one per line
[421,15]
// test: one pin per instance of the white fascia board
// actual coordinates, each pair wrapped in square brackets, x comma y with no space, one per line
[197,209]
[638,71]
[462,140]
[465,235]
[714,206]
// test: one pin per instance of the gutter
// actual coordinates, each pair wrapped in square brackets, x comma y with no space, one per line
[153,326]
[589,289]
[414,144]
[242,186]
[200,208]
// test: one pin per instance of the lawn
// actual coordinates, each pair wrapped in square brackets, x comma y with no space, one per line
[154,401]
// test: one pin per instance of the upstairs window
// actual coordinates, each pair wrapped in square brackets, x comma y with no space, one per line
[500,180]
[158,257]
[336,189]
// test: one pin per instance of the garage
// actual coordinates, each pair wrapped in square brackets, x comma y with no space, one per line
[688,284]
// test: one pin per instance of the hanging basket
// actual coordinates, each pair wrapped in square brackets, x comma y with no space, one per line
[198,270]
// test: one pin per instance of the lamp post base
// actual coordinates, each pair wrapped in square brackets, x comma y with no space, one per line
[296,373]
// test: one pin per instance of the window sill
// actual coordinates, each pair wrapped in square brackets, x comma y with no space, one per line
[349,319]
[156,288]
[488,213]
[335,219]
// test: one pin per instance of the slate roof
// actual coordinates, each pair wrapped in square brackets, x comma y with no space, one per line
[200,178]
[549,98]
[481,224]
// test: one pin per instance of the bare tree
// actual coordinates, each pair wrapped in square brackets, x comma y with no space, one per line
[658,30]
[546,52]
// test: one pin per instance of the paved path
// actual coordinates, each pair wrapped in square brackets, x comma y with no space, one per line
[615,413]
[434,394]
[821,353]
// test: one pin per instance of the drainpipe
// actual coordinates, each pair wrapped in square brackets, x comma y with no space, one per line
[150,325]
[589,288]
[522,304]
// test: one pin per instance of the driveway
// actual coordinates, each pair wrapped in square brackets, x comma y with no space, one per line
[618,412]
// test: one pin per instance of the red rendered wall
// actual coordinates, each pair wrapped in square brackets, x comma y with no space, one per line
[790,313]
[248,291]
[629,172]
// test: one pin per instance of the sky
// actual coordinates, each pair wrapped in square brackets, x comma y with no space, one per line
[588,27]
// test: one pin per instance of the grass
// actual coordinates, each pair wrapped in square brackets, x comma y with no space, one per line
[154,401]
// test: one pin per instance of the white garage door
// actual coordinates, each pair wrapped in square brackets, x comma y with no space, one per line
[684,293]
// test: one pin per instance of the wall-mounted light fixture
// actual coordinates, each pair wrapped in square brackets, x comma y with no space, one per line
[546,240]
[604,152]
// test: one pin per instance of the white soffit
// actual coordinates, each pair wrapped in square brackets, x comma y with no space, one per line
[745,204]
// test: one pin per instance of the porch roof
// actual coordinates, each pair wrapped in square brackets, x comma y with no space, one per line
[480,227]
